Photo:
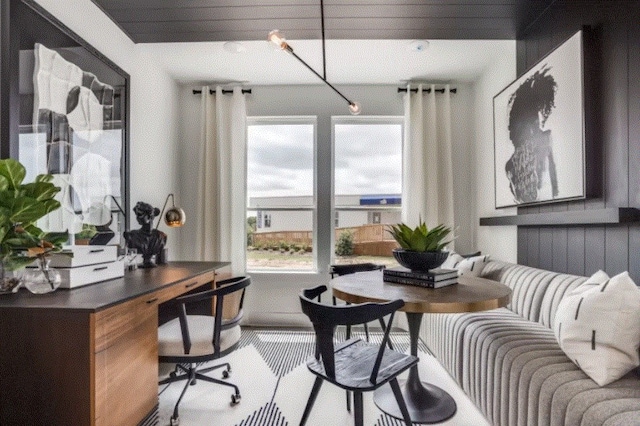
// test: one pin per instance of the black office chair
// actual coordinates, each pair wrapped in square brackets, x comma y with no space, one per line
[190,340]
[339,270]
[353,365]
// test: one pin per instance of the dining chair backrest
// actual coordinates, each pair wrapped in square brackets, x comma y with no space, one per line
[325,318]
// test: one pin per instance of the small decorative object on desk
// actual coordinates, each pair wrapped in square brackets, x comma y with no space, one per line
[148,241]
[42,279]
[434,278]
[10,281]
[21,206]
[421,248]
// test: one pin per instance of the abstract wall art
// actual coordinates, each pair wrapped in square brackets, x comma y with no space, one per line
[539,143]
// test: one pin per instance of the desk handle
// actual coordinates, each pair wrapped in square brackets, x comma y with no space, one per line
[100,268]
[96,251]
[191,285]
[155,299]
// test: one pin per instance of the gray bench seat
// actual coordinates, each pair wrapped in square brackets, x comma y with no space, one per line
[509,362]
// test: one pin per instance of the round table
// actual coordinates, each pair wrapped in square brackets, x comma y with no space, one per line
[426,403]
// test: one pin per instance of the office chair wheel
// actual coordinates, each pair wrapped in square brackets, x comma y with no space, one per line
[174,422]
[225,374]
[235,399]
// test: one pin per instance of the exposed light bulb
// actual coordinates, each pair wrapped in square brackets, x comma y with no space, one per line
[354,108]
[278,39]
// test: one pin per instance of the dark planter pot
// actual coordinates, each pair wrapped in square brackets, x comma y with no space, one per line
[420,261]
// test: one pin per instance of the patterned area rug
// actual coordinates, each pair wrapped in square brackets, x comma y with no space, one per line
[269,368]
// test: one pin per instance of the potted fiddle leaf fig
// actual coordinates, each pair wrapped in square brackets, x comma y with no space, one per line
[420,247]
[21,206]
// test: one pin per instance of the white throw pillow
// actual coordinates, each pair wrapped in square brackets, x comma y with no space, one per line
[466,266]
[472,266]
[598,326]
[452,261]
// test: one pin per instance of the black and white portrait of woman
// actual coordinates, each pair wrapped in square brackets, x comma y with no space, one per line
[539,132]
[531,170]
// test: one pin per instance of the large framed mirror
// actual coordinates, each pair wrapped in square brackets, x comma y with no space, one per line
[72,123]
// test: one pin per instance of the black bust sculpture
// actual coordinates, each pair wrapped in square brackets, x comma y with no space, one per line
[146,240]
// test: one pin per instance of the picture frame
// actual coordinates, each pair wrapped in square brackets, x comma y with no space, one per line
[539,131]
[69,117]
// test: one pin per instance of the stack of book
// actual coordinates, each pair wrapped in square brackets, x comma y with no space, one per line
[434,278]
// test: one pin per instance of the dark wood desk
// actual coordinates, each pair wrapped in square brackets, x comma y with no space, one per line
[426,403]
[89,356]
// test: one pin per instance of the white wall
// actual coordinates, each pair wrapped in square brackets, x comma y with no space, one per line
[500,242]
[154,96]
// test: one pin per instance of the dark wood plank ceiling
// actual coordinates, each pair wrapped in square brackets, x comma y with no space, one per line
[151,21]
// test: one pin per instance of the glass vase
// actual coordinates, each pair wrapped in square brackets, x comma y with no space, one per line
[10,281]
[42,279]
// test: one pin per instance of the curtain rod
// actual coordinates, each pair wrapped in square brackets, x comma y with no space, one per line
[404,89]
[224,91]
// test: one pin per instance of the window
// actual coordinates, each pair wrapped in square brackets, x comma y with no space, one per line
[306,197]
[281,193]
[367,186]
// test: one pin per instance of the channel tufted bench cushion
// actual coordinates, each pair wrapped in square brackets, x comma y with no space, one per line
[509,362]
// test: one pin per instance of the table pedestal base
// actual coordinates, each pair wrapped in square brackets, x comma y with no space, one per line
[426,403]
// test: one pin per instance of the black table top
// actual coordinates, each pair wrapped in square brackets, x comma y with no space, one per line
[98,296]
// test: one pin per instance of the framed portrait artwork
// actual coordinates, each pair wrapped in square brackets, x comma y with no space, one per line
[539,132]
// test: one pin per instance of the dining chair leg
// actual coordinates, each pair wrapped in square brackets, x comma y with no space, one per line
[312,399]
[357,409]
[366,331]
[348,401]
[400,399]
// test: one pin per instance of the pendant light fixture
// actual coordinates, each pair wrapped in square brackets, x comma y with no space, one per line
[278,39]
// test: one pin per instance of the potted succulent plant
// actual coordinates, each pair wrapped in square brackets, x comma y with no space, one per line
[21,206]
[420,247]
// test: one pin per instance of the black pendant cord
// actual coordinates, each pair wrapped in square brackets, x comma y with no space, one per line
[324,57]
[318,75]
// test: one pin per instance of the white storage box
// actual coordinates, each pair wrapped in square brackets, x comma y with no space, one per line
[89,274]
[84,255]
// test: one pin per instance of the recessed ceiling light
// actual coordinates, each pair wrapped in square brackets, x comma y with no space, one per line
[234,47]
[418,45]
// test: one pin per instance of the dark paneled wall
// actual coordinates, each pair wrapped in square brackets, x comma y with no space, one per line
[615,123]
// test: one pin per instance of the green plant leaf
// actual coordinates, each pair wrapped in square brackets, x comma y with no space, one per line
[40,190]
[26,210]
[56,238]
[4,183]
[50,205]
[13,171]
[44,178]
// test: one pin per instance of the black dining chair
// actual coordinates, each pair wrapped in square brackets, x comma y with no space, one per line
[339,270]
[354,365]
[191,340]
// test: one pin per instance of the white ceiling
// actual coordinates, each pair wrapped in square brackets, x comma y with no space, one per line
[348,61]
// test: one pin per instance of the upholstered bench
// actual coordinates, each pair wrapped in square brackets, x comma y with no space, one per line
[510,364]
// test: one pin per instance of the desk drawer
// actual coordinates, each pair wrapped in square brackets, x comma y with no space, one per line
[185,286]
[113,323]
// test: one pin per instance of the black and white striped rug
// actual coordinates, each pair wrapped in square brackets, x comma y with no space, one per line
[269,368]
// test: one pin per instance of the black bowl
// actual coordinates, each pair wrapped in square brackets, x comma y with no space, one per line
[420,261]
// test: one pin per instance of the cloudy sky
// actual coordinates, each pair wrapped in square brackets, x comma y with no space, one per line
[368,159]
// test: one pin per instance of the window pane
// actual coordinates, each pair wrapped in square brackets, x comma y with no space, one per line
[368,188]
[278,240]
[280,188]
[280,161]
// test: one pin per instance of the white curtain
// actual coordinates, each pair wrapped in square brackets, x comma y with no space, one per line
[221,208]
[427,182]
